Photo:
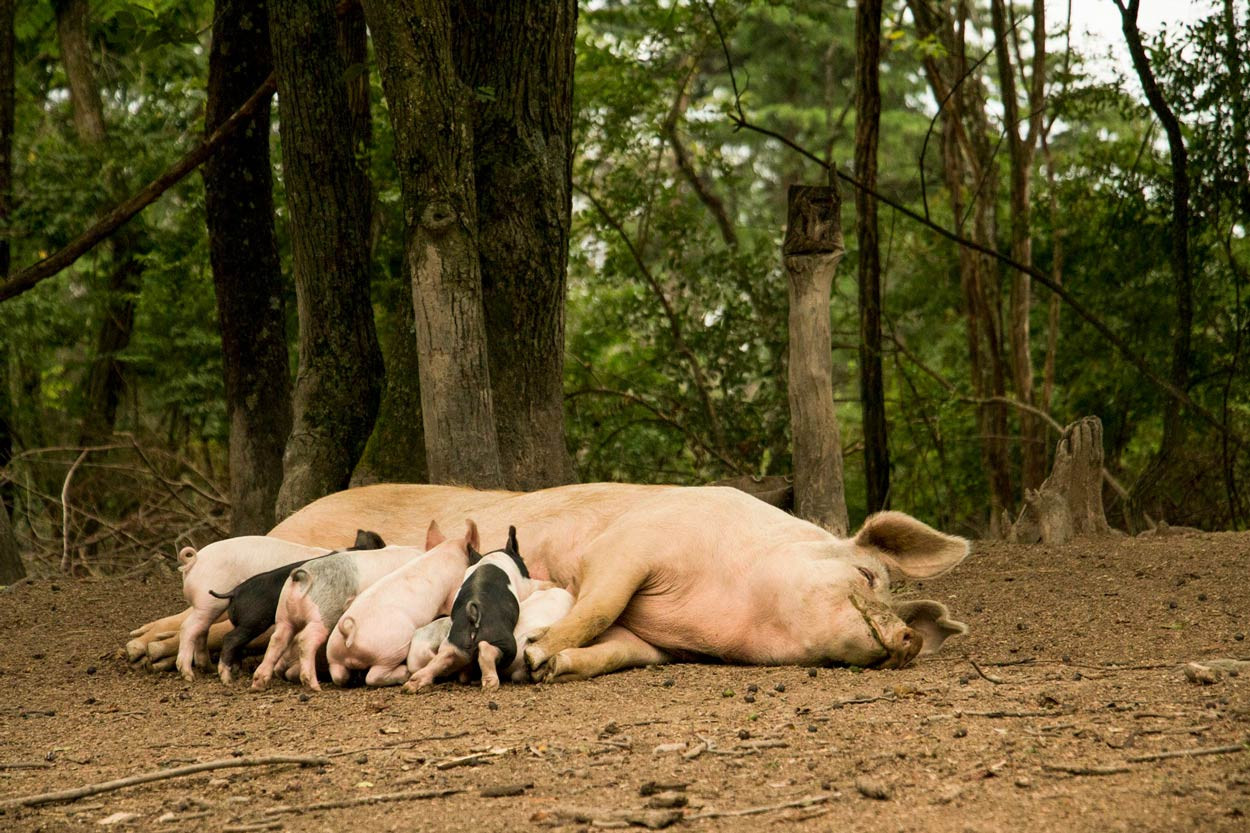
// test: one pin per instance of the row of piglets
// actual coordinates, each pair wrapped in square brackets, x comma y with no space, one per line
[391,628]
[377,605]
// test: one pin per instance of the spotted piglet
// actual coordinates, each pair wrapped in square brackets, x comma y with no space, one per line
[483,618]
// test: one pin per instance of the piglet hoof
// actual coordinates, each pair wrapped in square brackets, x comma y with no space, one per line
[226,673]
[490,683]
[260,682]
[310,682]
[188,675]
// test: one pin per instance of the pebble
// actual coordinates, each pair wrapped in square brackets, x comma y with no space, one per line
[961,732]
[304,697]
[362,759]
[750,698]
[668,682]
[493,706]
[91,669]
[779,688]
[752,688]
[811,672]
[1239,636]
[743,734]
[872,788]
[1024,783]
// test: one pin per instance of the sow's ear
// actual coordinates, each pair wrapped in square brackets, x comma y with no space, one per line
[909,548]
[367,540]
[434,536]
[931,619]
[471,538]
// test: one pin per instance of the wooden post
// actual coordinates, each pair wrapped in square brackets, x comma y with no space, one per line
[811,252]
[1069,502]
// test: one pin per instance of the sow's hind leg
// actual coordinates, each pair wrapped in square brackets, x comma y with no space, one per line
[615,649]
[608,582]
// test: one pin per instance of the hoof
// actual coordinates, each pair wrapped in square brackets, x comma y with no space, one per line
[535,659]
[136,650]
[490,683]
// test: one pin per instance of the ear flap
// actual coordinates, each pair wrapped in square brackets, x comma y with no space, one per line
[909,548]
[434,536]
[511,547]
[931,620]
[474,555]
[474,611]
[368,540]
[471,537]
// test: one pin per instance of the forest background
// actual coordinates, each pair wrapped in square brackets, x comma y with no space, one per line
[115,427]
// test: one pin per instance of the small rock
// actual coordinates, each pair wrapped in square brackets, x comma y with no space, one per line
[493,706]
[872,788]
[218,782]
[1023,782]
[166,818]
[752,688]
[610,729]
[812,728]
[667,800]
[1201,674]
[961,732]
[963,679]
[362,758]
[826,786]
[91,669]
[1077,675]
[668,747]
[118,818]
[811,672]
[779,688]
[743,734]
[1239,636]
[750,698]
[668,682]
[1172,605]
[1066,659]
[1202,597]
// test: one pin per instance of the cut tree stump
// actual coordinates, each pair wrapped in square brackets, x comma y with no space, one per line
[811,251]
[1069,502]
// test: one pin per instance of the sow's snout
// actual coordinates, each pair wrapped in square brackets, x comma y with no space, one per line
[897,644]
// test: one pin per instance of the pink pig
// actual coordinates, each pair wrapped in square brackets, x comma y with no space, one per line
[376,631]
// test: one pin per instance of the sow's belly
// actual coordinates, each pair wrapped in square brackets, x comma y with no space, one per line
[690,627]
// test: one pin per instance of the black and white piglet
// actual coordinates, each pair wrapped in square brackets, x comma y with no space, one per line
[254,605]
[483,618]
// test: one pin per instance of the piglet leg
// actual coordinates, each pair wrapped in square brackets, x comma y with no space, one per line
[278,643]
[311,638]
[448,659]
[191,641]
[488,657]
[380,675]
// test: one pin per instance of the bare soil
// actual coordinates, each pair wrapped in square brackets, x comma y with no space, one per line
[1096,634]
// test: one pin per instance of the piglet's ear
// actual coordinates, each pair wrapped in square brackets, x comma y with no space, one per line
[368,540]
[434,536]
[471,537]
[931,620]
[512,544]
[909,548]
[474,555]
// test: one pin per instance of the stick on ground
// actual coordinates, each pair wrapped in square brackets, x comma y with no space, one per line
[1190,753]
[381,798]
[159,775]
[768,808]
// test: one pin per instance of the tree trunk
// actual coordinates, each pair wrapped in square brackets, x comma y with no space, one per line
[811,251]
[247,271]
[522,51]
[340,375]
[11,567]
[871,374]
[1145,490]
[1021,151]
[431,113]
[1069,502]
[7,100]
[397,452]
[106,375]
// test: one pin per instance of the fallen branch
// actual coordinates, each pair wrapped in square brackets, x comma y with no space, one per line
[995,714]
[394,745]
[1087,770]
[159,775]
[469,760]
[808,801]
[984,676]
[1190,753]
[380,798]
[855,701]
[25,765]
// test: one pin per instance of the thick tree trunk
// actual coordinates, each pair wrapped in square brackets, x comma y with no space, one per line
[247,272]
[871,375]
[11,567]
[7,10]
[340,374]
[397,452]
[812,250]
[1145,490]
[522,51]
[431,113]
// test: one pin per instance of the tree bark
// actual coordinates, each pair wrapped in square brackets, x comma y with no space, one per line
[812,250]
[871,374]
[106,375]
[431,113]
[1069,502]
[1173,426]
[7,101]
[247,271]
[11,567]
[340,375]
[522,52]
[1021,151]
[397,453]
[967,166]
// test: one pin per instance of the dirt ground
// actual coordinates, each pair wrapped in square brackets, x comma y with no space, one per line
[943,748]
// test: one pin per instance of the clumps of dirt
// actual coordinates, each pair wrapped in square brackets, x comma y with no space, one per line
[1078,714]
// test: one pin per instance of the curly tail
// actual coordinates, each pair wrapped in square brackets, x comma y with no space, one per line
[217,595]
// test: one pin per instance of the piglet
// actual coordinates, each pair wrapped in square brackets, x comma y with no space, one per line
[540,611]
[376,632]
[253,604]
[483,617]
[313,598]
[224,563]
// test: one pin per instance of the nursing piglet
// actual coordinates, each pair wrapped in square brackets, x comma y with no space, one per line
[253,605]
[313,598]
[376,632]
[540,611]
[483,617]
[224,563]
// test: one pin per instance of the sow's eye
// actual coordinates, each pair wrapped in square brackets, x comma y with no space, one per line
[869,576]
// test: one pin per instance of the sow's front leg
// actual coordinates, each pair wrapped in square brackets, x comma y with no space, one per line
[137,648]
[616,648]
[607,584]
